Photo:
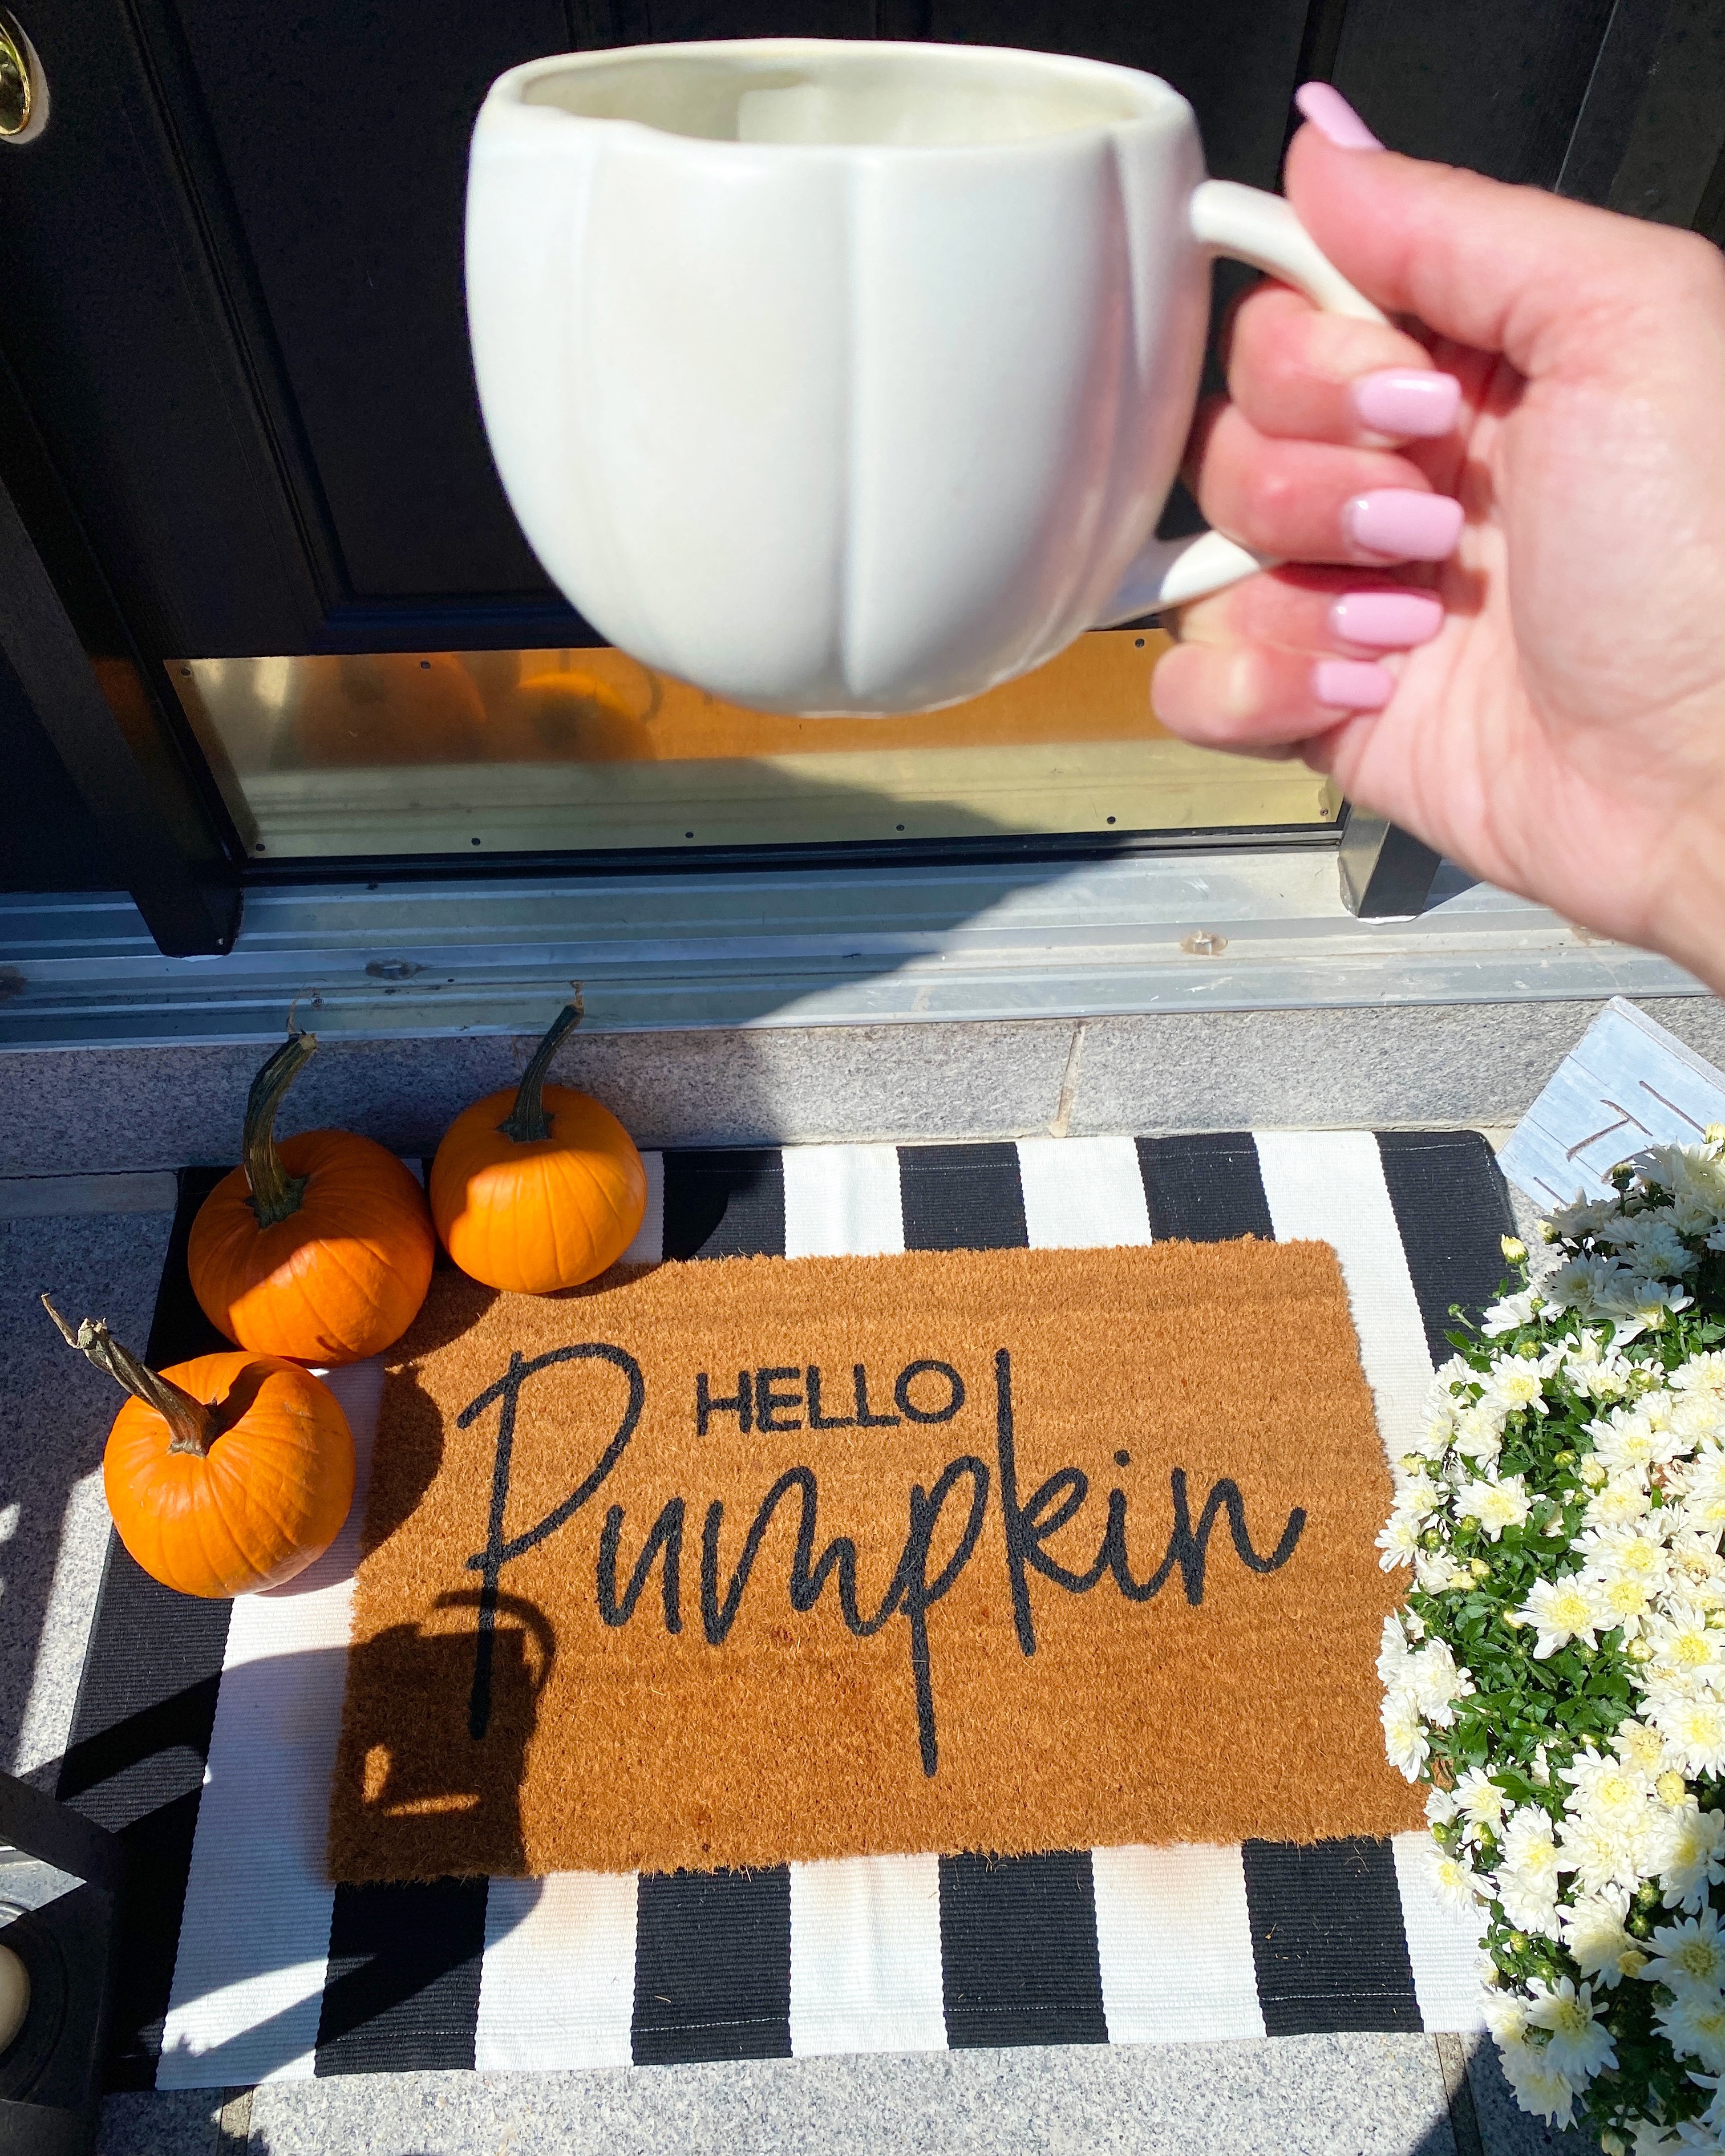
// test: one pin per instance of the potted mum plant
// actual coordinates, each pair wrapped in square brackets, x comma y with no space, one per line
[1556,1672]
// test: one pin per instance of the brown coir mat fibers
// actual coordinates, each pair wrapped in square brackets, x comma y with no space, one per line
[734,1563]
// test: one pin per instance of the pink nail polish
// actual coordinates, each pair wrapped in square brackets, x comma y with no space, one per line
[1403,524]
[1407,400]
[1334,118]
[1352,684]
[1387,621]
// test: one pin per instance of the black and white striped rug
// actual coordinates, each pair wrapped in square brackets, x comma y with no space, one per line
[205,1733]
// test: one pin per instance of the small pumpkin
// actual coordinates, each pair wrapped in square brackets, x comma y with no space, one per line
[320,1248]
[571,717]
[540,1189]
[391,707]
[226,1473]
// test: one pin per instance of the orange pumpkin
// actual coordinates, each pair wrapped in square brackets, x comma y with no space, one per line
[226,1473]
[540,1189]
[320,1249]
[570,718]
[391,707]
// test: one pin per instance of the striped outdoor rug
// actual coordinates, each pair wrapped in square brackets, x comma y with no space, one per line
[205,1733]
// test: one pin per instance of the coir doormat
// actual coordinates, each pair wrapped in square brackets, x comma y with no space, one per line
[725,1565]
[207,1733]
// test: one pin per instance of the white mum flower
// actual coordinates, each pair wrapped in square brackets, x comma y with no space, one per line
[1560,1610]
[1513,1384]
[1655,1243]
[1580,2046]
[1714,2114]
[1404,1739]
[1636,1305]
[1622,1501]
[1585,1216]
[1605,1787]
[1436,1572]
[1703,1373]
[1629,1440]
[1633,1553]
[1415,1492]
[1457,1882]
[1399,1539]
[1528,1873]
[1694,2025]
[1539,2086]
[1494,1504]
[1393,1650]
[1480,1801]
[1433,1441]
[1506,2013]
[1509,1315]
[1697,1416]
[1679,1640]
[1704,1495]
[1693,1727]
[1697,1572]
[1594,1932]
[1689,1955]
[1439,1806]
[1639,1747]
[1479,1432]
[1581,1284]
[1623,1603]
[1689,1856]
[1604,1852]
[1435,1681]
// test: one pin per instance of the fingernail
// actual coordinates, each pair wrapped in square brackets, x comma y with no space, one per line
[1404,524]
[1407,400]
[1334,118]
[1352,684]
[1388,621]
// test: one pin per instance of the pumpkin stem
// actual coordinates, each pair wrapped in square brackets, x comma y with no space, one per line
[527,1120]
[276,1195]
[195,1427]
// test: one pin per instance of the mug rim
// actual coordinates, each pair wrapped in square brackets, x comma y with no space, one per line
[1156,99]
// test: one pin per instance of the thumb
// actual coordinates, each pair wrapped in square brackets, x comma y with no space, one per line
[1507,270]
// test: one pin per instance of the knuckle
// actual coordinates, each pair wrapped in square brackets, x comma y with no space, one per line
[1694,265]
[1271,495]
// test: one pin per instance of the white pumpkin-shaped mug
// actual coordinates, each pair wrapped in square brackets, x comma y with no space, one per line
[852,377]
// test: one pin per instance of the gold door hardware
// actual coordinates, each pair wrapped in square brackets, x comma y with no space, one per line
[23,91]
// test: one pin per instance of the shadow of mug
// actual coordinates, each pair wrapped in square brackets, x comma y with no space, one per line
[415,1795]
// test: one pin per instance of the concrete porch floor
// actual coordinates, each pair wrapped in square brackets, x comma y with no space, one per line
[83,1213]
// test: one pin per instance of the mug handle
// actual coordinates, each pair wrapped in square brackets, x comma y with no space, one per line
[1262,230]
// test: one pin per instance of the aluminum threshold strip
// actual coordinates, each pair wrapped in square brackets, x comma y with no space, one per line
[866,947]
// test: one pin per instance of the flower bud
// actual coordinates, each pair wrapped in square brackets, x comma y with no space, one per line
[1480,1568]
[1672,1787]
[1715,1134]
[1514,1250]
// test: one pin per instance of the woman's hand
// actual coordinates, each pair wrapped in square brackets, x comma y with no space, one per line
[1511,636]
